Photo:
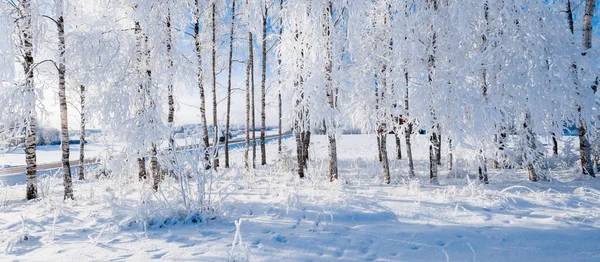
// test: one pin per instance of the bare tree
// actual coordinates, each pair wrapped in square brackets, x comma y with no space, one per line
[280,132]
[408,130]
[64,116]
[248,69]
[150,105]
[252,105]
[214,79]
[587,164]
[82,133]
[482,169]
[24,25]
[170,98]
[330,93]
[532,156]
[434,140]
[229,85]
[200,76]
[139,54]
[263,112]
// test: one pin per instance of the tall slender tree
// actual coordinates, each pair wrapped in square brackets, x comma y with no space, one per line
[249,66]
[330,90]
[279,101]
[263,112]
[141,90]
[200,76]
[227,121]
[214,80]
[587,165]
[170,91]
[82,133]
[64,116]
[434,140]
[26,46]
[252,100]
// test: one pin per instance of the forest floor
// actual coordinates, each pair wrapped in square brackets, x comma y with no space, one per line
[284,218]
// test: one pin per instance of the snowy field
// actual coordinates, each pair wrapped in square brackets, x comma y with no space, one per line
[284,218]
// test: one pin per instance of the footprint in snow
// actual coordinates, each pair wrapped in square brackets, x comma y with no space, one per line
[187,245]
[363,250]
[159,255]
[255,243]
[280,239]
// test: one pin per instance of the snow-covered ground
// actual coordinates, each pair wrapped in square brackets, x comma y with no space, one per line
[284,218]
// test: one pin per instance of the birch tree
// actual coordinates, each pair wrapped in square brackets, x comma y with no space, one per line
[64,116]
[229,84]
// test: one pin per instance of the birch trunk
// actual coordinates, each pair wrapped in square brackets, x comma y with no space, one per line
[331,131]
[398,143]
[214,82]
[141,103]
[200,76]
[252,99]
[531,156]
[150,105]
[590,5]
[26,34]
[433,167]
[280,132]
[263,112]
[482,169]
[554,145]
[62,96]
[383,150]
[82,134]
[587,164]
[383,132]
[227,120]
[300,149]
[408,130]
[248,69]
[434,141]
[450,155]
[306,141]
[170,98]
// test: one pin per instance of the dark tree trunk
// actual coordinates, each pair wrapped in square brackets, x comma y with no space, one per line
[263,112]
[253,113]
[554,145]
[300,151]
[170,97]
[214,83]
[82,134]
[587,164]
[141,106]
[331,132]
[280,133]
[200,75]
[227,121]
[26,34]
[450,156]
[434,141]
[408,130]
[398,144]
[248,69]
[64,116]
